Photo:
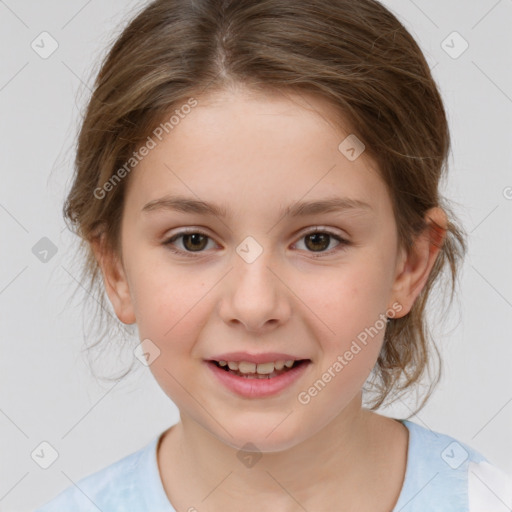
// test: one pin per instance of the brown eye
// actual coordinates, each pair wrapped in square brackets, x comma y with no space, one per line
[194,241]
[191,242]
[319,241]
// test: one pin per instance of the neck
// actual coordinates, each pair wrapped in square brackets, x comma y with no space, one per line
[339,460]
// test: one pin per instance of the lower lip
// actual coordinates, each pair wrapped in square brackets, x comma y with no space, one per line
[257,388]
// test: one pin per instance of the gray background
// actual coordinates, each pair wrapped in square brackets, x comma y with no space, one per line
[47,392]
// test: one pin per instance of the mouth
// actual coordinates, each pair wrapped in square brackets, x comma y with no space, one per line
[257,376]
[267,370]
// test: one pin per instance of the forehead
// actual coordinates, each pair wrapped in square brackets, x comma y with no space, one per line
[244,149]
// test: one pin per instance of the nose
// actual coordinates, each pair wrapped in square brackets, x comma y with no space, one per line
[255,295]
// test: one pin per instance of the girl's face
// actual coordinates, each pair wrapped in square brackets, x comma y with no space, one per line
[255,278]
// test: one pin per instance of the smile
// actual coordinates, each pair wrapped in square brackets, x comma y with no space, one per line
[261,370]
[257,380]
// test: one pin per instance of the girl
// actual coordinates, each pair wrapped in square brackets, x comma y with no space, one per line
[257,188]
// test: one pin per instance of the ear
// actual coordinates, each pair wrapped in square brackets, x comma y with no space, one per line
[416,263]
[114,279]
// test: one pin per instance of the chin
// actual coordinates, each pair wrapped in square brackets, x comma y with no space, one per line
[263,436]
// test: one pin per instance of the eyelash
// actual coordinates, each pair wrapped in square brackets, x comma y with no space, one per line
[340,247]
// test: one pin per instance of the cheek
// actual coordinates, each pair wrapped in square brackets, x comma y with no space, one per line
[353,314]
[348,299]
[171,308]
[168,304]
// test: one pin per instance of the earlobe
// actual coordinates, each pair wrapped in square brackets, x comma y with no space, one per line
[418,261]
[115,281]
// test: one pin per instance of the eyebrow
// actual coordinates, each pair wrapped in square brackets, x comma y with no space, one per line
[299,209]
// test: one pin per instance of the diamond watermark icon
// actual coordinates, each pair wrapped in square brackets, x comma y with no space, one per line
[44,250]
[44,45]
[454,455]
[249,455]
[249,250]
[351,147]
[44,455]
[146,352]
[455,45]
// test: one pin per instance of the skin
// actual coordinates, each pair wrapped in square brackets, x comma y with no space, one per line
[254,154]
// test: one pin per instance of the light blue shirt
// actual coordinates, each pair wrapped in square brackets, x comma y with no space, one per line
[437,474]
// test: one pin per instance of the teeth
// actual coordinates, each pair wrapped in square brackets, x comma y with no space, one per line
[244,367]
[260,368]
[265,368]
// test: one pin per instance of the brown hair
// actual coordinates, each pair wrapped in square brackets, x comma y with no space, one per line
[355,54]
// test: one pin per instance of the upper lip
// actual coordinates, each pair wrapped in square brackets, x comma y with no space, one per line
[266,357]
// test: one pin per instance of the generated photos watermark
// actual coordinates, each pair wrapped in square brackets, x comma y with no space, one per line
[343,360]
[158,133]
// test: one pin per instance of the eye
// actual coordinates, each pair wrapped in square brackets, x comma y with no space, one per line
[193,241]
[318,240]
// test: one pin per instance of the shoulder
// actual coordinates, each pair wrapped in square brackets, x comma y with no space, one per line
[449,475]
[110,488]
